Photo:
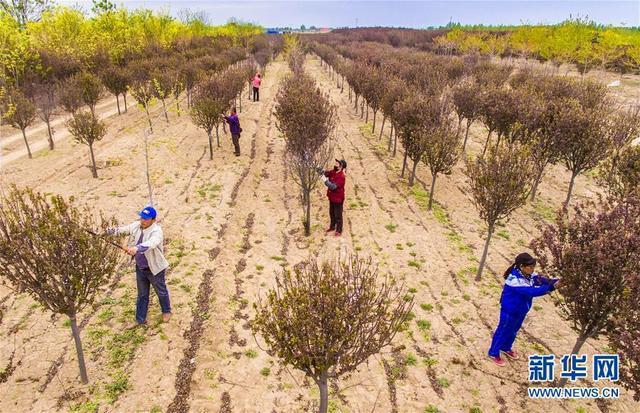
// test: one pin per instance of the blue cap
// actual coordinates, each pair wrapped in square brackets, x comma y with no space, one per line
[148,213]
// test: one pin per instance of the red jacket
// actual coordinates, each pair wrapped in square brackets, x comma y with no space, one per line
[337,178]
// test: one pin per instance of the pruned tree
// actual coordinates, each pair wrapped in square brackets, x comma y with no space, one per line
[593,252]
[624,127]
[418,116]
[22,115]
[467,100]
[326,318]
[143,92]
[71,95]
[209,101]
[162,88]
[624,338]
[582,137]
[621,175]
[443,147]
[395,91]
[499,184]
[177,87]
[306,118]
[87,129]
[46,101]
[116,80]
[46,250]
[91,90]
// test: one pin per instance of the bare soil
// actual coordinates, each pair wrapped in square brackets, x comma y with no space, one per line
[230,223]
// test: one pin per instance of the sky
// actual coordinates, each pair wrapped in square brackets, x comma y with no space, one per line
[415,14]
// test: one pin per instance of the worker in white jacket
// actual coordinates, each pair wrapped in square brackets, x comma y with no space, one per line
[145,244]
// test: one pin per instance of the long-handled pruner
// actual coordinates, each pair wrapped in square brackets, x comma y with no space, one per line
[107,240]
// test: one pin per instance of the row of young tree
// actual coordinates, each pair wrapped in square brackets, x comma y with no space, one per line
[62,235]
[432,103]
[58,86]
[537,120]
[577,41]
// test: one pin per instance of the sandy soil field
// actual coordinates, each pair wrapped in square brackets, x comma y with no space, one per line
[230,223]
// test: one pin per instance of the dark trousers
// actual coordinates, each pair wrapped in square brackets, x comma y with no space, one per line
[235,138]
[335,212]
[506,332]
[145,278]
[256,94]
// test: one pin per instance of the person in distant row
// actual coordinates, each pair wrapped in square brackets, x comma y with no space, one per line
[520,286]
[145,245]
[335,179]
[234,128]
[255,82]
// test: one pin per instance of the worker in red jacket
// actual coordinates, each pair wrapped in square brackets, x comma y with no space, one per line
[334,179]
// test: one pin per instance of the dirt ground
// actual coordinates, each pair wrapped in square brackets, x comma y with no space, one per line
[231,223]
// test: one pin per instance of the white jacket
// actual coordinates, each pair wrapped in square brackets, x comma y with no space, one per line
[152,238]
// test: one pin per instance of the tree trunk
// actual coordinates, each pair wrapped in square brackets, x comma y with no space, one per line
[466,135]
[178,106]
[164,108]
[250,90]
[431,191]
[307,218]
[94,170]
[75,332]
[413,171]
[362,108]
[366,119]
[536,182]
[149,118]
[582,338]
[240,100]
[124,97]
[484,253]
[355,106]
[486,143]
[404,163]
[324,393]
[373,128]
[459,123]
[211,144]
[118,104]
[146,158]
[384,118]
[50,135]
[573,179]
[24,135]
[349,87]
[395,140]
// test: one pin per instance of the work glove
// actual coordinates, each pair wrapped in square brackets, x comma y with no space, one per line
[324,178]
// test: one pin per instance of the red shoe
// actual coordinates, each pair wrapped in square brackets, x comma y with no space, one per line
[512,354]
[338,233]
[498,360]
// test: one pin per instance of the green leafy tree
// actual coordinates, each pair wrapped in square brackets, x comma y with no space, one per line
[24,11]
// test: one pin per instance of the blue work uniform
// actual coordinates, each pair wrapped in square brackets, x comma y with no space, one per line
[515,303]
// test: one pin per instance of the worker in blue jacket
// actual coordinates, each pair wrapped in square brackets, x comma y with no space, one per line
[520,286]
